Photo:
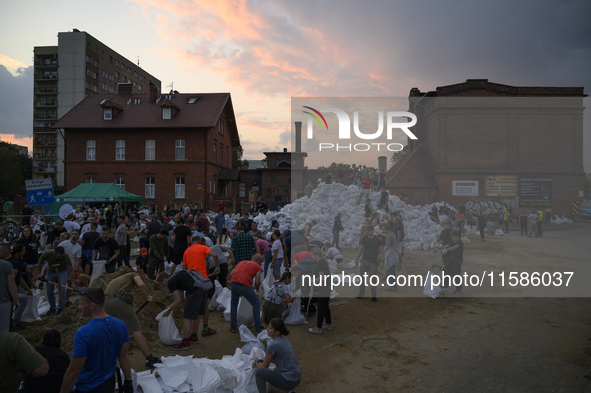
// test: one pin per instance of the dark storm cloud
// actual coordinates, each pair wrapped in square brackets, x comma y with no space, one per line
[16,111]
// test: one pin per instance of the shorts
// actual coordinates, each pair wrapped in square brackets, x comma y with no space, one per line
[119,308]
[195,305]
[365,190]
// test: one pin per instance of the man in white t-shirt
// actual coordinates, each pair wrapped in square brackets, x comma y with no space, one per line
[275,225]
[78,215]
[333,252]
[74,250]
[70,224]
[86,227]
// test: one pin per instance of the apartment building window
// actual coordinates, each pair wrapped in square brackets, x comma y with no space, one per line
[150,149]
[110,89]
[95,88]
[107,113]
[179,187]
[111,59]
[116,75]
[103,54]
[88,59]
[139,87]
[129,70]
[110,77]
[150,191]
[90,180]
[88,72]
[242,190]
[120,182]
[87,45]
[141,77]
[96,63]
[179,149]
[120,149]
[214,153]
[269,193]
[96,50]
[221,127]
[273,178]
[88,85]
[94,75]
[166,113]
[104,85]
[134,84]
[91,150]
[117,63]
[104,73]
[123,78]
[135,74]
[123,66]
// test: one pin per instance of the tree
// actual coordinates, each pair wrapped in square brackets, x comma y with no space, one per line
[334,166]
[237,161]
[16,168]
[399,155]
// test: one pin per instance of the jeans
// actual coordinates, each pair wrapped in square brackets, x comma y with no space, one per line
[323,312]
[335,239]
[371,268]
[481,232]
[391,272]
[51,276]
[264,375]
[18,313]
[523,228]
[268,259]
[5,311]
[122,256]
[249,294]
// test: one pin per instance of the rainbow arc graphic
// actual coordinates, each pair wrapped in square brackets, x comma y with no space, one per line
[316,117]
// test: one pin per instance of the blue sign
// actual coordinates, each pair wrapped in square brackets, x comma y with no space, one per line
[40,197]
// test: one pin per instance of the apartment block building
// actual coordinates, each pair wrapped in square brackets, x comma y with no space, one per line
[80,65]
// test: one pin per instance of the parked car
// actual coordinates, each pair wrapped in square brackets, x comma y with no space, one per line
[586,210]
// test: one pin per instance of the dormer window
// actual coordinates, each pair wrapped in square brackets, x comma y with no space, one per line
[166,113]
[107,113]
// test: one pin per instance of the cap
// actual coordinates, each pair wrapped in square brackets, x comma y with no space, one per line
[166,219]
[144,251]
[154,216]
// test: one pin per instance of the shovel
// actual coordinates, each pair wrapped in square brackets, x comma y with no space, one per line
[146,302]
[43,279]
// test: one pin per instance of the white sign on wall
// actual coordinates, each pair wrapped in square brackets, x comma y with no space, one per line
[464,188]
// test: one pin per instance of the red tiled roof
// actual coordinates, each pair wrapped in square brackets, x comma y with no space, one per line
[138,112]
[414,170]
[166,103]
[107,103]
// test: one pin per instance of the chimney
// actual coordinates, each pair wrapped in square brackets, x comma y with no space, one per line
[285,149]
[125,88]
[298,136]
[153,92]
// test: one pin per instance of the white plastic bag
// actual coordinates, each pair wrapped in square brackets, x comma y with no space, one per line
[268,281]
[223,300]
[251,341]
[167,330]
[98,267]
[499,232]
[296,317]
[31,312]
[432,291]
[218,289]
[244,315]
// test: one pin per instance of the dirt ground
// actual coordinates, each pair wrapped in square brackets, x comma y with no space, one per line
[490,339]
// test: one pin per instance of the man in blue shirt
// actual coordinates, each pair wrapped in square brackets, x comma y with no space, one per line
[97,346]
[219,222]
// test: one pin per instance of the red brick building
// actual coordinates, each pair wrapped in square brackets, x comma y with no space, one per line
[481,141]
[171,148]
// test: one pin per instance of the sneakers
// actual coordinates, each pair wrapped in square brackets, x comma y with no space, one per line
[374,299]
[193,338]
[234,329]
[51,311]
[152,360]
[315,330]
[327,327]
[185,344]
[207,331]
[59,311]
[258,330]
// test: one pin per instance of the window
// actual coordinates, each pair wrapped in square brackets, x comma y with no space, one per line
[94,75]
[96,50]
[117,63]
[111,59]
[123,78]
[242,190]
[88,85]
[96,63]
[107,113]
[134,84]
[116,75]
[103,54]
[273,178]
[104,85]
[269,193]
[110,89]
[104,73]
[150,187]
[90,150]
[129,70]
[88,59]
[179,149]
[88,72]
[123,66]
[110,77]
[221,127]
[120,182]
[120,149]
[150,149]
[281,191]
[135,74]
[95,88]
[179,187]
[90,180]
[214,152]
[87,45]
[141,77]
[139,87]
[166,113]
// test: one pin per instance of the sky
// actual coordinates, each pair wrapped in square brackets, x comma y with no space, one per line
[264,52]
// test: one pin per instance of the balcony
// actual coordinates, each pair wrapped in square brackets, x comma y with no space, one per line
[45,142]
[46,103]
[46,89]
[52,76]
[45,169]
[45,116]
[37,130]
[46,63]
[43,156]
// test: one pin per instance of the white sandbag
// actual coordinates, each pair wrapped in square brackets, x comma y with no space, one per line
[148,384]
[31,312]
[432,291]
[251,341]
[296,317]
[248,382]
[168,266]
[268,281]
[98,267]
[499,232]
[167,330]
[351,264]
[332,265]
[244,314]
[264,336]
[223,300]
[43,306]
[173,377]
[218,289]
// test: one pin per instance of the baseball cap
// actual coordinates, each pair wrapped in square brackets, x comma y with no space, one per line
[166,219]
[144,251]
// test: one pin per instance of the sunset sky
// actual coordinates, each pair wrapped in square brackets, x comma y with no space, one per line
[265,52]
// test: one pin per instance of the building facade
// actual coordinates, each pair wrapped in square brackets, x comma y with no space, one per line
[64,75]
[485,142]
[173,148]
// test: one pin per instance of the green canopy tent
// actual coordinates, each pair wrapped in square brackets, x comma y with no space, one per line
[92,194]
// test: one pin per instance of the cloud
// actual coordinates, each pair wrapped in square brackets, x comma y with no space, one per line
[16,111]
[11,64]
